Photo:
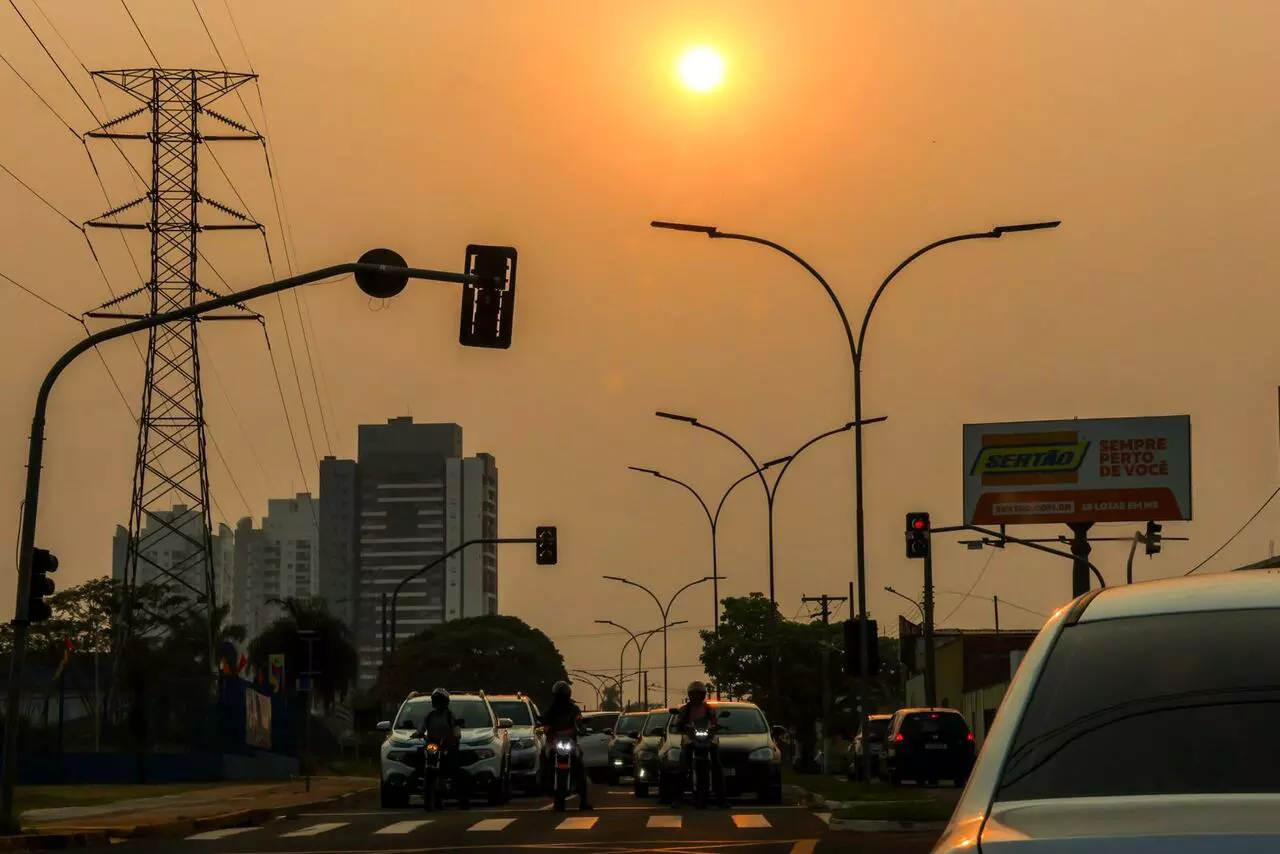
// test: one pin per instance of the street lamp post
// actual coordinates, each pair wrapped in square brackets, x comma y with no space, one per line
[666,623]
[857,350]
[770,494]
[914,603]
[640,645]
[309,638]
[386,279]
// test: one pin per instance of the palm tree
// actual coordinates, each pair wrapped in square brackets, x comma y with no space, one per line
[335,660]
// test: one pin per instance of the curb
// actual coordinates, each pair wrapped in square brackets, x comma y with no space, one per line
[858,825]
[803,796]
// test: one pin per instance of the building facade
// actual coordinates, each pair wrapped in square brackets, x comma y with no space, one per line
[171,538]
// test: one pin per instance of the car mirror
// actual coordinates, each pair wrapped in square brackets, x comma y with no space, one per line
[635,735]
[383,726]
[505,723]
[418,734]
[778,733]
[608,730]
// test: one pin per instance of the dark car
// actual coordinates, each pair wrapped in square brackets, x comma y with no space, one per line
[749,754]
[868,747]
[928,745]
[622,746]
[646,772]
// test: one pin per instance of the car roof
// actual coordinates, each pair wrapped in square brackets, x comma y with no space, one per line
[733,704]
[886,717]
[599,714]
[522,697]
[926,709]
[1228,591]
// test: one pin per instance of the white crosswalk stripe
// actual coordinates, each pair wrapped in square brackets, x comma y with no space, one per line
[224,833]
[669,822]
[750,821]
[402,827]
[578,822]
[315,829]
[491,824]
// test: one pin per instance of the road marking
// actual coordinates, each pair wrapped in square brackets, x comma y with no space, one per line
[315,829]
[671,822]
[491,824]
[750,821]
[804,846]
[824,817]
[578,822]
[224,833]
[402,827]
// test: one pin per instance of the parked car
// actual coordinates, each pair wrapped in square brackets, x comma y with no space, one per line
[622,746]
[748,749]
[527,740]
[485,748]
[647,772]
[927,745]
[868,750]
[595,744]
[1142,718]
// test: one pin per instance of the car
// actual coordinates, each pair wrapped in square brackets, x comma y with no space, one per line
[622,746]
[869,749]
[646,772]
[749,753]
[485,748]
[527,740]
[595,744]
[1142,718]
[927,745]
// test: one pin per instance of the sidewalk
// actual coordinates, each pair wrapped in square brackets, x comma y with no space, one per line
[216,807]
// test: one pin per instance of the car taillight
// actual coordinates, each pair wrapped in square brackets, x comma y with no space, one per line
[969,737]
[899,737]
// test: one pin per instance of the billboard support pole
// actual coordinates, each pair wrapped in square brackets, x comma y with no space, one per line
[930,671]
[1080,549]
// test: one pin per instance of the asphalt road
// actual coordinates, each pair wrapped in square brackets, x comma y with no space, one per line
[620,823]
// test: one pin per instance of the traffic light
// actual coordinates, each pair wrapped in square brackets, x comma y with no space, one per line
[853,648]
[1153,538]
[545,545]
[42,563]
[488,310]
[918,535]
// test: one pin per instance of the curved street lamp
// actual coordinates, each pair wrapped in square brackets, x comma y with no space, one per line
[666,624]
[640,645]
[857,351]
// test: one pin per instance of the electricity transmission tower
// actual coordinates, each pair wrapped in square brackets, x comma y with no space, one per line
[169,560]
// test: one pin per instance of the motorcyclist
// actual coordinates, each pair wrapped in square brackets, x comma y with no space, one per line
[563,715]
[696,711]
[443,728]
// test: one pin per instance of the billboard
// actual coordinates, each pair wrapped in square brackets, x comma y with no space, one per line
[1083,470]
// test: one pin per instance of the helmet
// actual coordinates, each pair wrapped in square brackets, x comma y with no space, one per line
[562,689]
[697,691]
[440,698]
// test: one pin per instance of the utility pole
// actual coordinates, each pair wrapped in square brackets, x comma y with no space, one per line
[930,671]
[995,601]
[1080,549]
[170,499]
[309,638]
[824,603]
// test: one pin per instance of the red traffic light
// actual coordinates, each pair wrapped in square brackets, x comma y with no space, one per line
[918,524]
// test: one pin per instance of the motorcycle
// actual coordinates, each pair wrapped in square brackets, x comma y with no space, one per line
[565,745]
[700,744]
[433,782]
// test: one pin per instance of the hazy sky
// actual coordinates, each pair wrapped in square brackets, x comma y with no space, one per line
[853,132]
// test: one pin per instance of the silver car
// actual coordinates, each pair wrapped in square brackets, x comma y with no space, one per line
[595,744]
[526,739]
[1144,718]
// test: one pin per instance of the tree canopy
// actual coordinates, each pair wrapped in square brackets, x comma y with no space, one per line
[334,654]
[497,654]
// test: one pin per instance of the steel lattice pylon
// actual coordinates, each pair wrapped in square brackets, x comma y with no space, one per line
[171,469]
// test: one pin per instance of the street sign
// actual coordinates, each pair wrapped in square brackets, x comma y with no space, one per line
[1083,470]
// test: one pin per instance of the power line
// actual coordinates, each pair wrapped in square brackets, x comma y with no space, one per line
[1239,530]
[140,33]
[205,362]
[50,205]
[1003,601]
[53,59]
[208,33]
[42,299]
[297,453]
[972,586]
[42,99]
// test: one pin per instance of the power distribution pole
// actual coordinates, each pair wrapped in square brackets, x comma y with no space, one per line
[170,501]
[824,603]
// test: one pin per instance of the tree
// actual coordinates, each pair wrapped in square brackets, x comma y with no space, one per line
[609,703]
[335,657]
[499,654]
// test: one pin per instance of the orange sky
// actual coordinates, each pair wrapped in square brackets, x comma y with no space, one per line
[853,132]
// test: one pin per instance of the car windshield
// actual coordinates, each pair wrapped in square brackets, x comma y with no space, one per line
[741,721]
[949,725]
[628,724]
[1152,705]
[517,710]
[595,724]
[877,730]
[473,712]
[657,723]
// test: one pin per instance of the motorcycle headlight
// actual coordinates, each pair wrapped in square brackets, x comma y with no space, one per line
[761,754]
[564,746]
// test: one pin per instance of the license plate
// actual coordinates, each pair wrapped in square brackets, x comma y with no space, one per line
[729,772]
[935,747]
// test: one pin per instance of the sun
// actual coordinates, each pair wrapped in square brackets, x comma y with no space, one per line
[701,69]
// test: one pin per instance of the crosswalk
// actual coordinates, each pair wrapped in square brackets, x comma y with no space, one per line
[579,823]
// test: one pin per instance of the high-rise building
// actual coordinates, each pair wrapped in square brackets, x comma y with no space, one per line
[171,537]
[409,497]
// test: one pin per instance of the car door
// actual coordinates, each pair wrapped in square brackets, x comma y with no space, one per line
[595,744]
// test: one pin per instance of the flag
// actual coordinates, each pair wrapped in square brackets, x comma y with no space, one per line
[68,648]
[276,671]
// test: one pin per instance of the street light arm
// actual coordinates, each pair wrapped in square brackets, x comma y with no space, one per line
[913,602]
[693,492]
[758,469]
[655,599]
[815,440]
[672,601]
[728,491]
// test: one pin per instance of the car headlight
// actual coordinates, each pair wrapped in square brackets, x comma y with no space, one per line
[761,754]
[673,755]
[482,753]
[522,743]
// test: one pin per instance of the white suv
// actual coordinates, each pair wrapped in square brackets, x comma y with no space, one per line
[485,750]
[526,739]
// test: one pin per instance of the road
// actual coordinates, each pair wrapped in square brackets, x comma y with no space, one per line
[619,824]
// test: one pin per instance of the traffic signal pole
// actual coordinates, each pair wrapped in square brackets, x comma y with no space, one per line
[381,273]
[930,668]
